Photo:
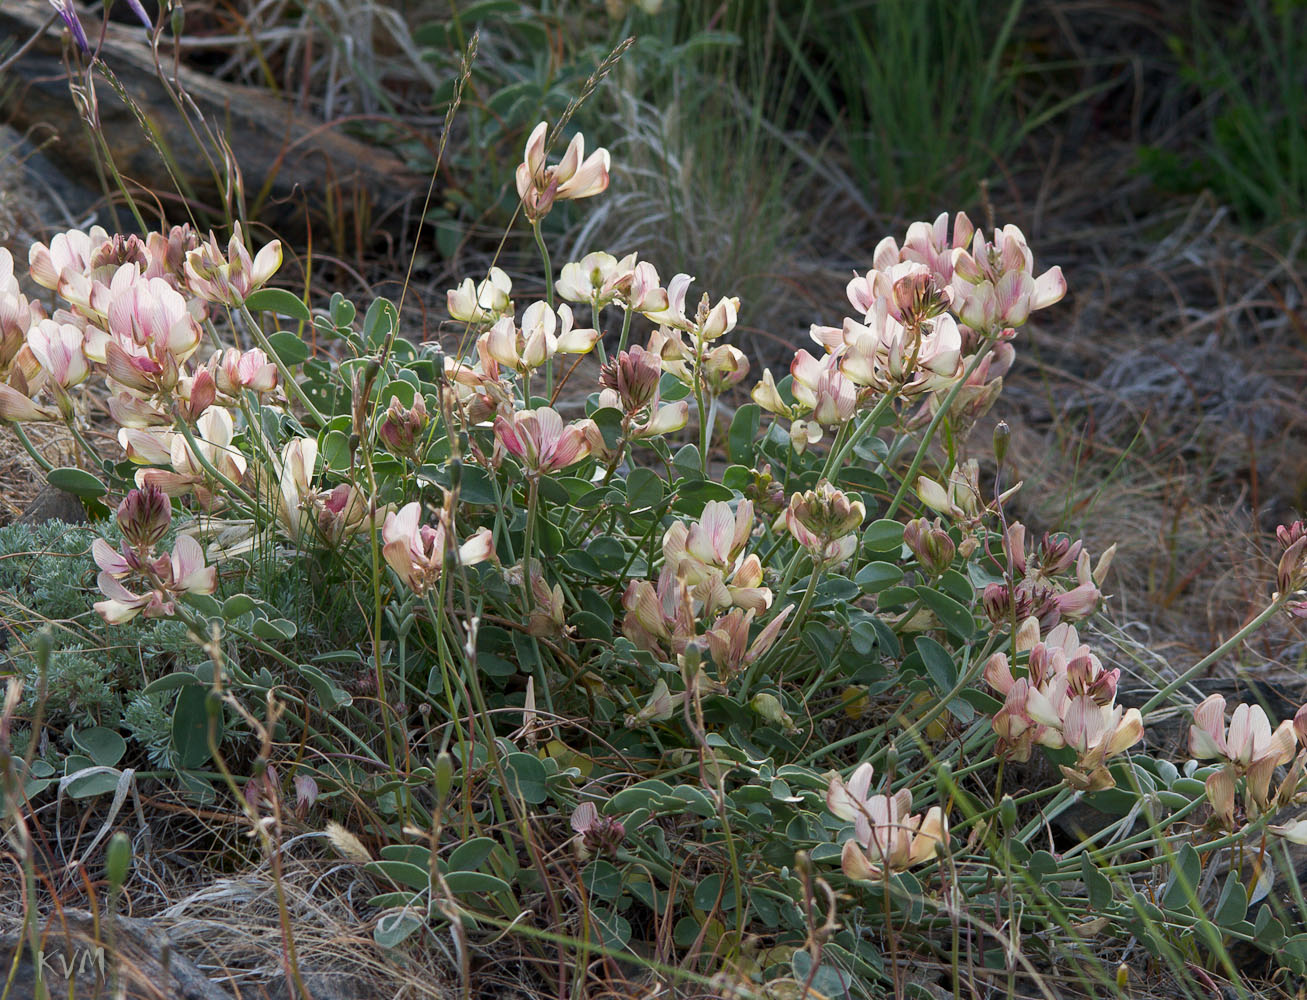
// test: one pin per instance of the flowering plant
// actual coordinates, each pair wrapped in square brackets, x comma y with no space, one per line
[692,625]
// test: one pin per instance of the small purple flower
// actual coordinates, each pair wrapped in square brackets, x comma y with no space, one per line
[69,14]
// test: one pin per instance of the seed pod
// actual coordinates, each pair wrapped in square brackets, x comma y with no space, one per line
[1007,813]
[117,860]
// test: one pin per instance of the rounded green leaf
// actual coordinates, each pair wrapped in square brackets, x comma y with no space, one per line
[526,777]
[280,301]
[78,482]
[102,745]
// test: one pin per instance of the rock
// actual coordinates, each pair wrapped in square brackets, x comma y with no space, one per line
[75,955]
[52,504]
[288,161]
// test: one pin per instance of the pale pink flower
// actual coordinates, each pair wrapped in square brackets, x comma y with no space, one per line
[575,176]
[995,282]
[885,835]
[214,432]
[708,323]
[16,407]
[230,279]
[728,639]
[538,339]
[596,834]
[482,302]
[540,440]
[299,459]
[237,370]
[595,278]
[722,368]
[887,355]
[68,254]
[167,578]
[17,316]
[151,332]
[821,389]
[417,552]
[712,543]
[825,521]
[640,290]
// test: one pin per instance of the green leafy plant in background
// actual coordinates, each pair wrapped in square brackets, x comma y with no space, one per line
[921,96]
[1247,77]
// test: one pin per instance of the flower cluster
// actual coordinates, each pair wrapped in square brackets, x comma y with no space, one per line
[157,580]
[135,313]
[885,836]
[1249,749]
[921,311]
[1038,588]
[417,551]
[825,521]
[706,576]
[1065,699]
[575,176]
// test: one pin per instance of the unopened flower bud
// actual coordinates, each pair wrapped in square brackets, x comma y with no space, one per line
[444,775]
[931,544]
[997,599]
[766,492]
[117,860]
[1007,812]
[769,707]
[401,429]
[144,516]
[634,376]
[1002,438]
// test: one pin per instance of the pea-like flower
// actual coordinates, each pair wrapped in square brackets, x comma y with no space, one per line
[542,335]
[417,552]
[728,639]
[151,332]
[595,278]
[885,354]
[481,302]
[995,281]
[630,383]
[214,432]
[68,256]
[230,279]
[167,578]
[58,349]
[712,543]
[885,836]
[575,176]
[825,521]
[144,516]
[595,834]
[1249,739]
[709,322]
[235,370]
[541,441]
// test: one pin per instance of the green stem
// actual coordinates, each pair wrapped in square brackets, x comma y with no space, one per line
[287,379]
[1267,613]
[917,459]
[26,442]
[549,299]
[626,330]
[85,445]
[756,668]
[599,344]
[837,456]
[255,510]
